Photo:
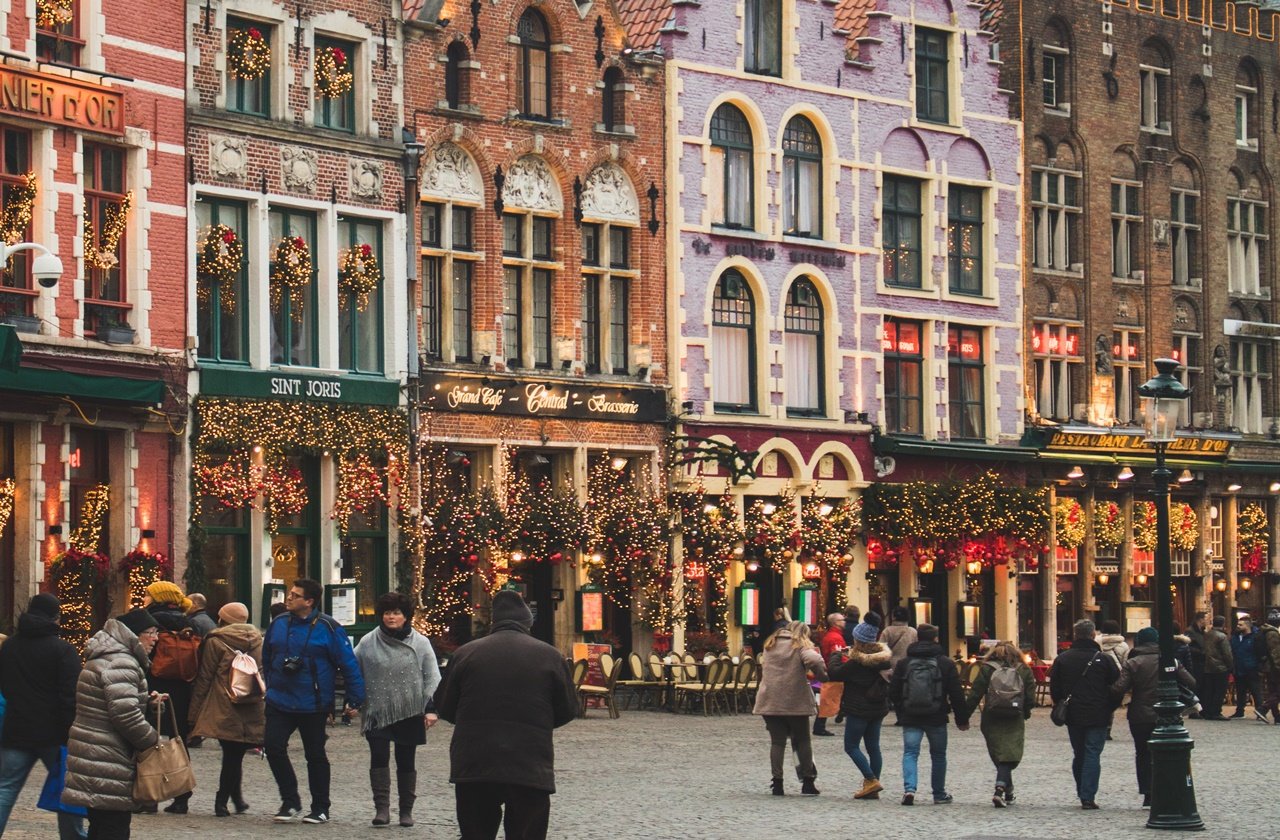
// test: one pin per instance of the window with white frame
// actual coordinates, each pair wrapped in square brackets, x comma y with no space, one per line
[903,353]
[762,37]
[1153,89]
[294,319]
[1055,55]
[1059,368]
[1056,214]
[1246,237]
[1184,234]
[801,179]
[1246,101]
[966,383]
[1250,377]
[448,275]
[803,369]
[732,169]
[964,239]
[528,273]
[733,352]
[1187,350]
[607,275]
[1126,230]
[1128,370]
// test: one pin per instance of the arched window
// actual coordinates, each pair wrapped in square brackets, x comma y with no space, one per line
[535,65]
[801,179]
[613,101]
[762,41]
[732,181]
[733,358]
[803,371]
[457,85]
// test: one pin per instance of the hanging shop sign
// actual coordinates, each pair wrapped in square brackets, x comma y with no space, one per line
[804,604]
[1075,441]
[528,398]
[747,603]
[61,101]
[287,385]
[1250,329]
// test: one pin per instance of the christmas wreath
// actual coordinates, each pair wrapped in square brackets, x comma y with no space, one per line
[100,250]
[333,72]
[218,265]
[140,569]
[291,269]
[18,207]
[1068,519]
[1108,525]
[359,274]
[248,54]
[1184,529]
[1251,539]
[50,14]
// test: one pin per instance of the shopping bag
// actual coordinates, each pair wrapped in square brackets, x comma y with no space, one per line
[51,794]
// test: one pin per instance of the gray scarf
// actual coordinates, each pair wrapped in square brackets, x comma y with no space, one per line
[400,676]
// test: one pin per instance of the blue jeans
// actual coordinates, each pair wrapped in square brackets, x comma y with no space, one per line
[15,766]
[1086,745]
[858,729]
[911,738]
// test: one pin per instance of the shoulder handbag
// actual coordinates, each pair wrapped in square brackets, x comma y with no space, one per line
[176,656]
[163,771]
[1059,713]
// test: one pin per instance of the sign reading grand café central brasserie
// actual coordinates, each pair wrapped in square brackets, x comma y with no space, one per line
[536,398]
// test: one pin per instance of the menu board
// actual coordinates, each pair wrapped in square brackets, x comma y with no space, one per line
[590,609]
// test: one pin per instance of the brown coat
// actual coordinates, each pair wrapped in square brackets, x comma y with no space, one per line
[213,715]
[784,688]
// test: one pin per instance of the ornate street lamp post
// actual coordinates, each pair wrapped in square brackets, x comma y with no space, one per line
[1173,794]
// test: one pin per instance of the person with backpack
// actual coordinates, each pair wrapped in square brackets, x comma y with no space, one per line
[1081,677]
[864,702]
[925,688]
[1268,652]
[173,665]
[785,701]
[227,699]
[1248,673]
[1007,690]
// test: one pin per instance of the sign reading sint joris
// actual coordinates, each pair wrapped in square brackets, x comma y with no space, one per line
[578,400]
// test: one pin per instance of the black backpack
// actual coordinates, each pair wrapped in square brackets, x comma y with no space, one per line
[922,687]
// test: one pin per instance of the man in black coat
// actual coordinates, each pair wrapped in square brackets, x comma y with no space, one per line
[930,719]
[38,673]
[1085,675]
[505,693]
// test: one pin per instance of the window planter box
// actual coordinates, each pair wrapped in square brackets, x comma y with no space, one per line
[115,334]
[22,323]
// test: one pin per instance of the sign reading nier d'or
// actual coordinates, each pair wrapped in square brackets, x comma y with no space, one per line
[61,101]
[530,398]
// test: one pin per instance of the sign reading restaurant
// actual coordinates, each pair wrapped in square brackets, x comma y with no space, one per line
[1125,442]
[61,101]
[537,398]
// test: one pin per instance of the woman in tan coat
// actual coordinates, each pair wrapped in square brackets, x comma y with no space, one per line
[785,700]
[236,723]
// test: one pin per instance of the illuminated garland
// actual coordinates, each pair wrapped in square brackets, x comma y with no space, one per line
[628,537]
[140,569]
[1069,524]
[1108,525]
[770,531]
[1184,528]
[50,14]
[19,206]
[290,269]
[1252,537]
[248,54]
[77,578]
[333,72]
[231,482]
[87,535]
[7,488]
[218,264]
[829,530]
[547,525]
[100,251]
[361,488]
[712,536]
[229,425]
[285,492]
[359,274]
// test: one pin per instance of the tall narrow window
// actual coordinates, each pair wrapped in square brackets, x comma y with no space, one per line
[1059,368]
[1126,231]
[803,370]
[801,179]
[732,170]
[966,383]
[1128,368]
[293,312]
[1055,55]
[903,353]
[1184,231]
[1246,236]
[534,65]
[901,231]
[1187,344]
[528,265]
[58,37]
[932,67]
[448,268]
[613,100]
[335,89]
[359,314]
[763,37]
[1153,91]
[1246,108]
[606,277]
[16,293]
[249,85]
[964,240]
[104,194]
[733,357]
[1250,376]
[222,281]
[457,80]
[1056,213]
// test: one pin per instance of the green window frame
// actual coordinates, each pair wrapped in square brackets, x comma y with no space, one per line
[222,332]
[932,68]
[903,349]
[964,239]
[360,333]
[339,112]
[294,323]
[902,224]
[224,548]
[250,96]
[367,533]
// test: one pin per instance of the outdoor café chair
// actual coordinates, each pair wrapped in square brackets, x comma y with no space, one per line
[704,689]
[610,668]
[641,684]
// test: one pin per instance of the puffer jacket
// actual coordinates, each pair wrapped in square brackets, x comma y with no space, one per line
[111,722]
[784,688]
[1141,675]
[213,715]
[1114,645]
[1242,652]
[1217,653]
[1272,662]
[866,689]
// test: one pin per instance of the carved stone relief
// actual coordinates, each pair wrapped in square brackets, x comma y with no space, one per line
[299,168]
[229,157]
[449,172]
[608,195]
[530,185]
[366,179]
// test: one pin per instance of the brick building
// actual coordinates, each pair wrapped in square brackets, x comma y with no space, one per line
[1151,143]
[299,318]
[92,384]
[540,239]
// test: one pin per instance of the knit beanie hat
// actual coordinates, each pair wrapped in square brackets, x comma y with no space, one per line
[1147,636]
[233,613]
[138,621]
[44,604]
[865,633]
[167,592]
[509,606]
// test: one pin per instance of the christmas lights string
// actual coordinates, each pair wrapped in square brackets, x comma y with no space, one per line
[248,54]
[140,569]
[1069,523]
[1252,537]
[1108,525]
[78,573]
[359,274]
[332,72]
[100,250]
[1184,527]
[19,206]
[291,271]
[629,533]
[7,488]
[51,14]
[219,261]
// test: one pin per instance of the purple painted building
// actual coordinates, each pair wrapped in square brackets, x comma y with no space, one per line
[844,256]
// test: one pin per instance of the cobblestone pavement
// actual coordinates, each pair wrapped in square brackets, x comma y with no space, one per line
[659,775]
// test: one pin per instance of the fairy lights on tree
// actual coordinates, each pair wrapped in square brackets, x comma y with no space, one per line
[79,573]
[771,532]
[628,534]
[7,488]
[19,205]
[712,536]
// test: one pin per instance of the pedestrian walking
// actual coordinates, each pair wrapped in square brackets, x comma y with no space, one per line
[400,677]
[1141,676]
[303,651]
[227,701]
[1218,665]
[1248,674]
[925,689]
[1195,649]
[1082,677]
[1269,641]
[1006,688]
[852,617]
[899,636]
[38,673]
[111,724]
[198,615]
[1112,642]
[505,694]
[785,701]
[166,603]
[829,694]
[862,672]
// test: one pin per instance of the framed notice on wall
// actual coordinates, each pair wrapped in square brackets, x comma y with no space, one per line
[967,618]
[590,605]
[1137,614]
[921,611]
[341,600]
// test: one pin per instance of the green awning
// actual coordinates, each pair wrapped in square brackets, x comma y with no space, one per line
[82,385]
[10,348]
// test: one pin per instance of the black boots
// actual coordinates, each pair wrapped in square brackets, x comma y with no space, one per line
[807,788]
[777,788]
[407,789]
[380,782]
[220,805]
[238,800]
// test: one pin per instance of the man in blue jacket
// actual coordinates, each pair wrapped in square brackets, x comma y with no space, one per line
[1248,674]
[302,651]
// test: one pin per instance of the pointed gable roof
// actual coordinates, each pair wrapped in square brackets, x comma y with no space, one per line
[643,21]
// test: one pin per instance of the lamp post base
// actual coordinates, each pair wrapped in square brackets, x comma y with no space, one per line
[1173,793]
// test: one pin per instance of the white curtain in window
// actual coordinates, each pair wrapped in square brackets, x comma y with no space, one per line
[810,197]
[715,192]
[1252,269]
[801,371]
[1181,257]
[738,201]
[1120,248]
[1044,387]
[1235,262]
[731,365]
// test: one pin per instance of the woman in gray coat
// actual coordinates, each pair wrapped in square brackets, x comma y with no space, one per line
[111,723]
[785,701]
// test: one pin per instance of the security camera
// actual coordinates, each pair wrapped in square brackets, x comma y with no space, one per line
[46,268]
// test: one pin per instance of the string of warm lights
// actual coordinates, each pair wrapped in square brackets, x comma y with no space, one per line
[19,205]
[291,270]
[547,523]
[100,249]
[248,54]
[770,531]
[219,260]
[140,569]
[712,536]
[1068,523]
[628,535]
[7,488]
[359,274]
[1184,527]
[87,535]
[1108,525]
[1252,537]
[50,14]
[829,529]
[361,488]
[78,573]
[332,72]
